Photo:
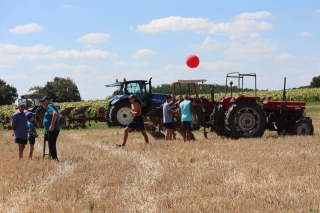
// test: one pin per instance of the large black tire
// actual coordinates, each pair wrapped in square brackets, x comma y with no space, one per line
[217,120]
[245,119]
[199,113]
[120,113]
[303,126]
[107,116]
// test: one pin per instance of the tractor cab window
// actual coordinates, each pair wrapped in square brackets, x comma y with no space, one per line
[132,88]
[137,88]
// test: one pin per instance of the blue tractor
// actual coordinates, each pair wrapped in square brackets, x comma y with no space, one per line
[118,109]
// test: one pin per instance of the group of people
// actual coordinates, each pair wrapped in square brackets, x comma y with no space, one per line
[185,111]
[25,131]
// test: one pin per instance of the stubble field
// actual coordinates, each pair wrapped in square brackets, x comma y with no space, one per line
[270,174]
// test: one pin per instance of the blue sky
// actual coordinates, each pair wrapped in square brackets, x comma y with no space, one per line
[95,42]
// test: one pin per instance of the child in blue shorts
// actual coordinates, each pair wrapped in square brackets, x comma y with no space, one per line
[32,132]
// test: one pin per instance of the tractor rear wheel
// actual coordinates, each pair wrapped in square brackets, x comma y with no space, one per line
[120,114]
[303,126]
[199,113]
[245,120]
[217,120]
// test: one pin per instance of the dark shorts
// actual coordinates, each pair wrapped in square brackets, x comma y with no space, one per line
[32,141]
[137,123]
[168,125]
[21,141]
[186,125]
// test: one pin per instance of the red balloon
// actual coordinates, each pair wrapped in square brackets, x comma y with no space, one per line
[192,61]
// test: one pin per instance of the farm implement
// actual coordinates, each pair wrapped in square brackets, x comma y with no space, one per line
[5,120]
[77,119]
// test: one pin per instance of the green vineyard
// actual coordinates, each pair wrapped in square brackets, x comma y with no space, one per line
[308,95]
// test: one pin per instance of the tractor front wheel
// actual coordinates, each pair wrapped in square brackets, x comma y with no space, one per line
[120,113]
[303,126]
[199,113]
[245,120]
[217,120]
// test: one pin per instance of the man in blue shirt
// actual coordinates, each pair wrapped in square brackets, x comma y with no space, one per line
[51,125]
[168,117]
[20,128]
[186,112]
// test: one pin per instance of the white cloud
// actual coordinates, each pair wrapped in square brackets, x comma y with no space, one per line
[94,38]
[285,56]
[254,16]
[88,47]
[143,53]
[239,26]
[221,65]
[292,71]
[67,6]
[306,34]
[18,57]
[208,44]
[125,63]
[51,67]
[4,66]
[84,69]
[201,25]
[131,28]
[174,23]
[77,69]
[39,48]
[253,50]
[317,11]
[18,76]
[244,36]
[74,54]
[28,28]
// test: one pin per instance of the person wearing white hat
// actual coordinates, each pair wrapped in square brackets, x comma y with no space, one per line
[20,128]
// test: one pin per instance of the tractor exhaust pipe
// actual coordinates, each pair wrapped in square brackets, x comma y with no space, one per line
[231,82]
[284,98]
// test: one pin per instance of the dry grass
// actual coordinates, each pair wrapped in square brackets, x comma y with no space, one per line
[271,174]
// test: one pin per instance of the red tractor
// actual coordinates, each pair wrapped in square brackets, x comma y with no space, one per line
[243,117]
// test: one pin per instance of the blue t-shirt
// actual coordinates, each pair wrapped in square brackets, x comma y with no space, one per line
[167,118]
[186,114]
[19,122]
[48,117]
[33,128]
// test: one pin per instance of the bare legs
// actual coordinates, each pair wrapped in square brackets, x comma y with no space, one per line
[21,148]
[126,133]
[169,134]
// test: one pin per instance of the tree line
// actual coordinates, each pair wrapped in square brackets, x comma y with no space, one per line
[66,90]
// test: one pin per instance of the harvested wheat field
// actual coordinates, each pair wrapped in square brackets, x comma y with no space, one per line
[270,174]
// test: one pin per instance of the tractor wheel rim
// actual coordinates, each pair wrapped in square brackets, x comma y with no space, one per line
[247,121]
[124,116]
[303,129]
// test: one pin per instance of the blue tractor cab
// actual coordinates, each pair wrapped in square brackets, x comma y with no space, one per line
[118,109]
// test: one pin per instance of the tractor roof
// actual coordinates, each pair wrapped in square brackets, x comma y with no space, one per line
[32,94]
[188,81]
[116,84]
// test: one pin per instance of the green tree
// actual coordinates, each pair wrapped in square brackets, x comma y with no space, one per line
[39,88]
[8,93]
[315,83]
[62,90]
